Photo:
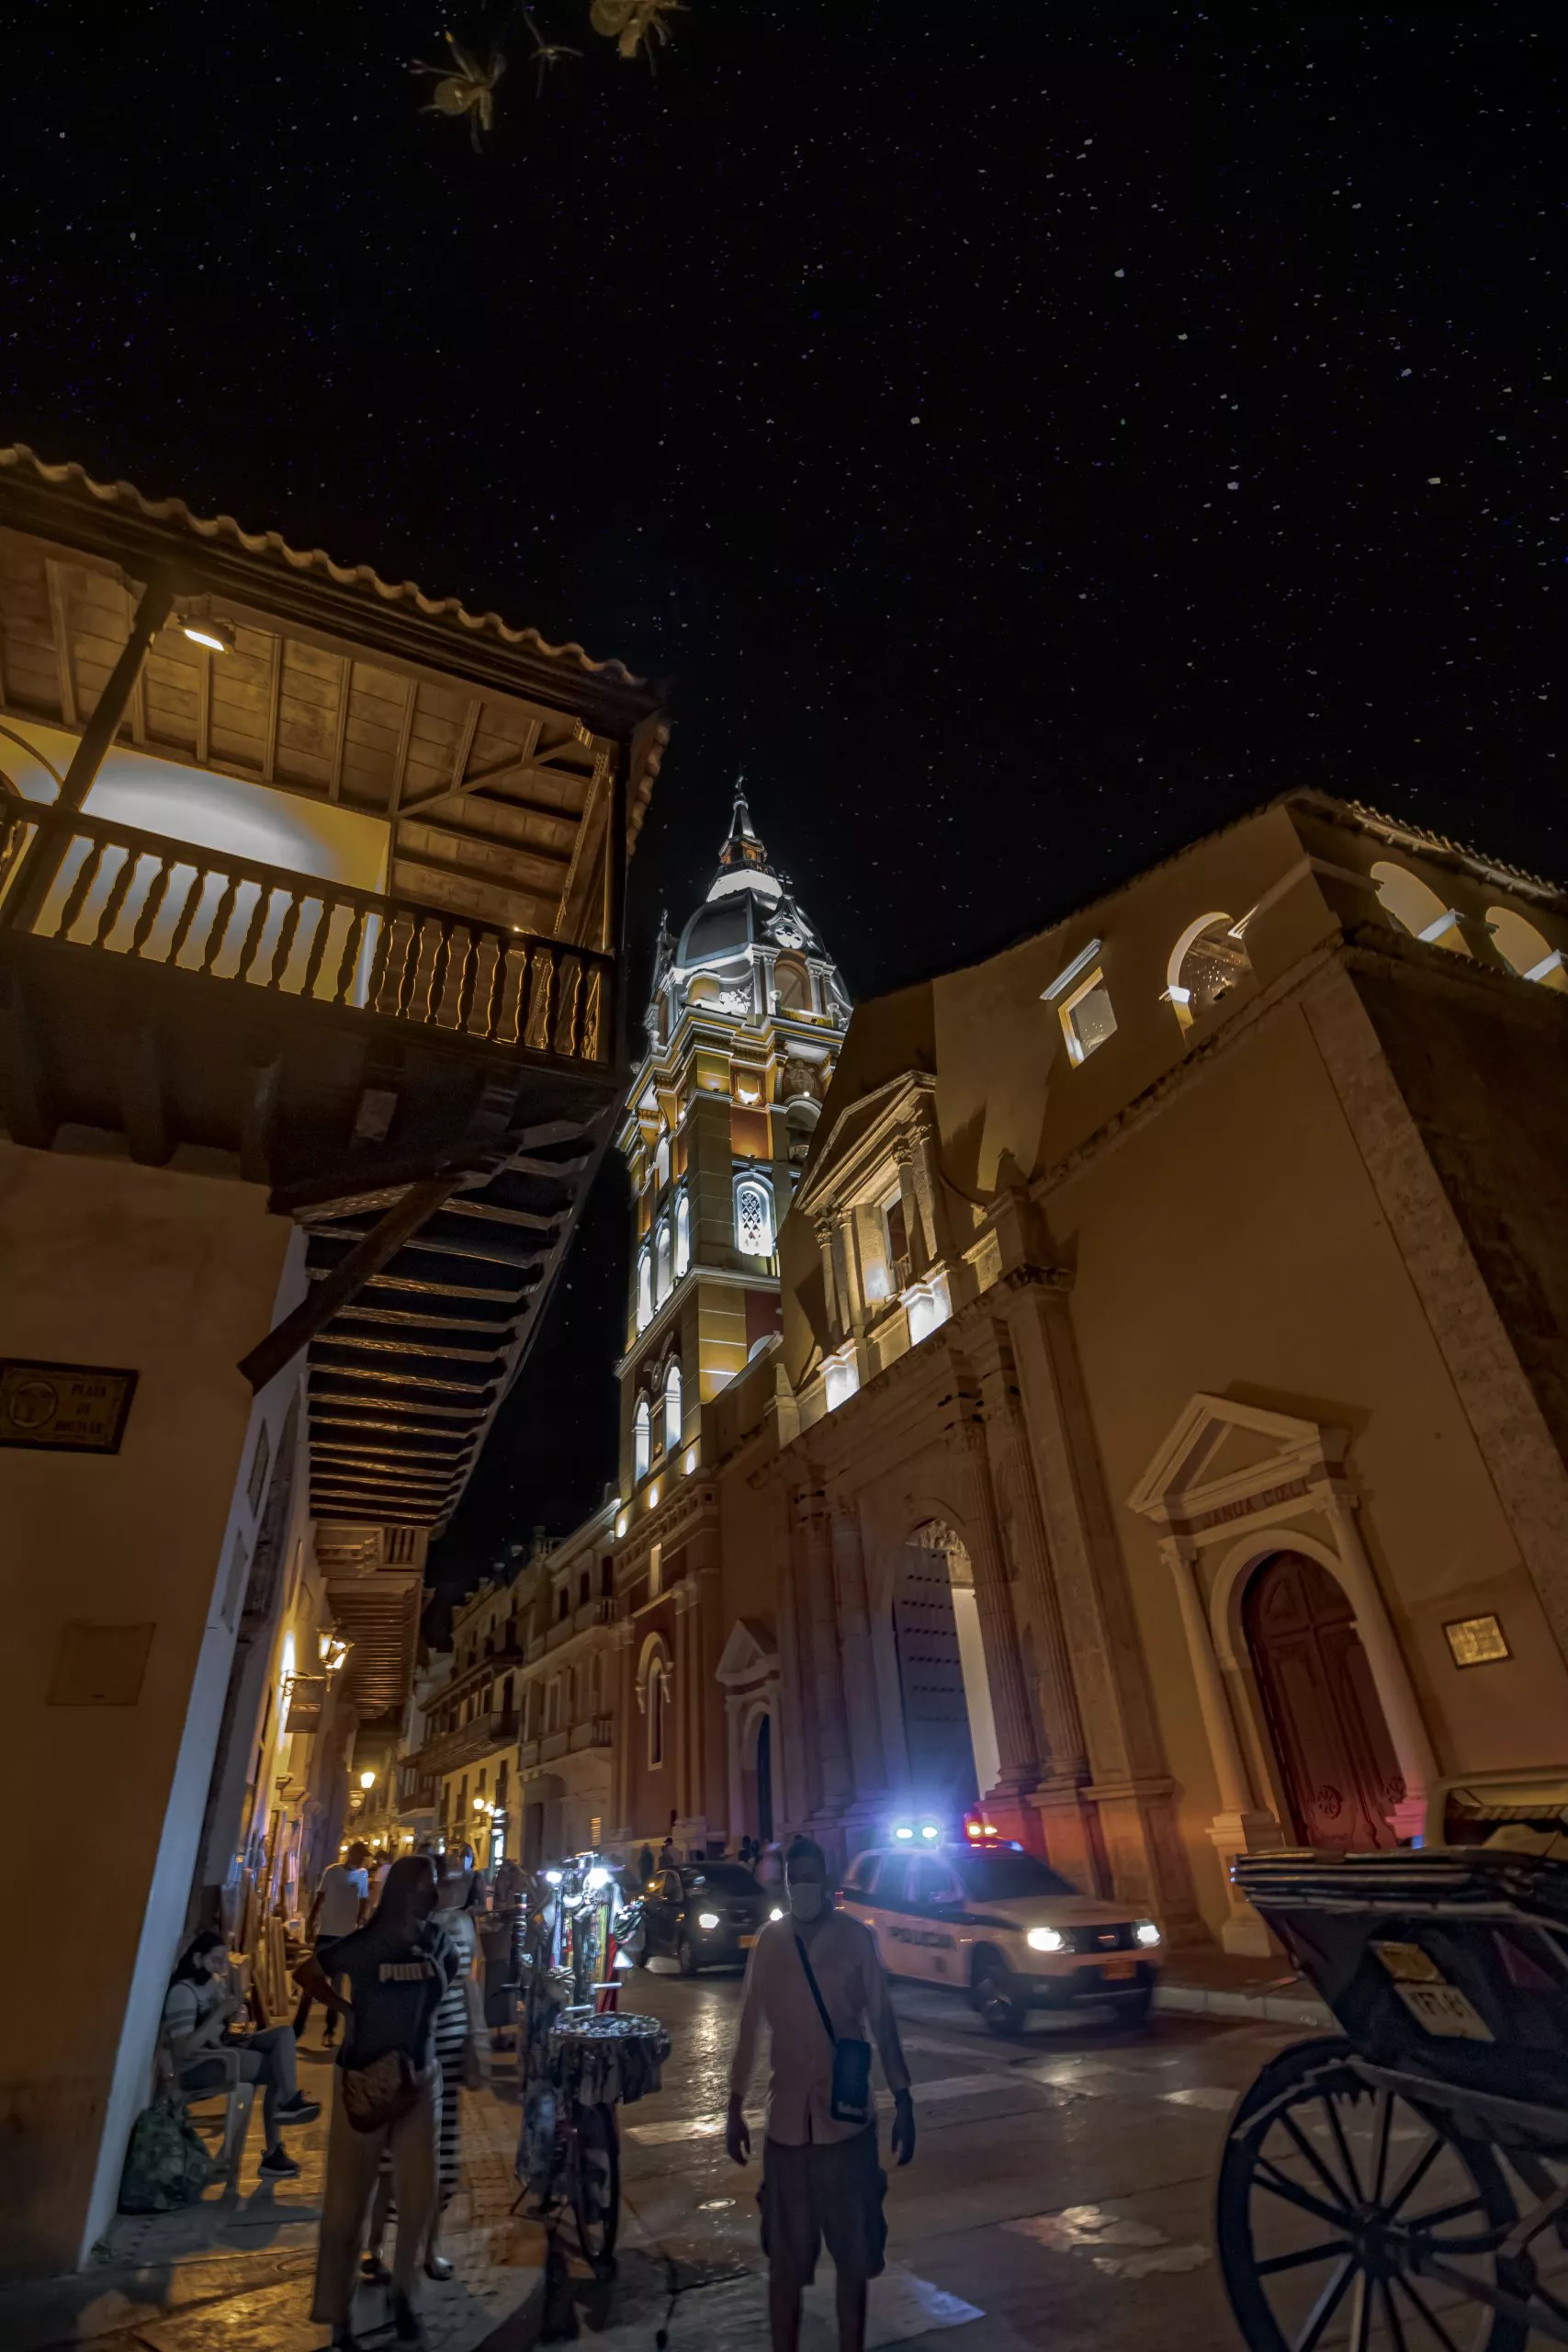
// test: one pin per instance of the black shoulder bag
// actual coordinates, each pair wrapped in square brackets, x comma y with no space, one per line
[852,2101]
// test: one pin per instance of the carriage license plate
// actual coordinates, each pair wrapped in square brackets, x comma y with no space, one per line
[1111,1969]
[1443,2010]
[747,1942]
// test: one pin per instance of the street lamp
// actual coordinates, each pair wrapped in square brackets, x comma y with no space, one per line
[333,1650]
[368,1779]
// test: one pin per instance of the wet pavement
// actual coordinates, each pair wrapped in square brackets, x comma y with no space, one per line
[1060,2194]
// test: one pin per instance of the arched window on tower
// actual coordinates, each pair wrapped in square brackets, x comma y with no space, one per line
[644,1288]
[792,986]
[1205,964]
[673,1408]
[662,1164]
[754,1216]
[682,1235]
[663,1272]
[642,1439]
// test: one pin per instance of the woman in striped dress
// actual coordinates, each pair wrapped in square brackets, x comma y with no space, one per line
[457,2061]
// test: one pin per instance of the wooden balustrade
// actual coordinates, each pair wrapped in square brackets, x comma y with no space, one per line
[77,881]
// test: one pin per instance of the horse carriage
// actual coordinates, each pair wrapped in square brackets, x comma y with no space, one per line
[1401,2185]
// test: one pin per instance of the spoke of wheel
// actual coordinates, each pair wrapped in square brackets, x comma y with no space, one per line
[1428,2314]
[1336,2188]
[1385,2127]
[1324,2252]
[1361,2314]
[1323,2311]
[1445,2213]
[1395,2328]
[1266,2176]
[1332,2111]
[1414,2174]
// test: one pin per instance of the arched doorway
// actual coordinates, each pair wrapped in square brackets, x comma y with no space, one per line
[1337,1760]
[949,1727]
[757,1778]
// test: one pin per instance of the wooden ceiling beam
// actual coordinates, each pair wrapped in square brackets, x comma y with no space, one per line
[60,625]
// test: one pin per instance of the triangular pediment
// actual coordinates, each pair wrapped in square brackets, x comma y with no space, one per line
[749,1655]
[1220,1450]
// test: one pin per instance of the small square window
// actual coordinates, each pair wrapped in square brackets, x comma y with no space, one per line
[1088,1017]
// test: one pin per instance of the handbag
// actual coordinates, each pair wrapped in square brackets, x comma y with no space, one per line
[382,2092]
[165,2165]
[851,2100]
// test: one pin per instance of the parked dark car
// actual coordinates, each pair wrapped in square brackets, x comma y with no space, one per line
[706,1915]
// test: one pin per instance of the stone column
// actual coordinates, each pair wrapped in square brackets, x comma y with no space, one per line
[624,1728]
[823,1228]
[1067,1834]
[1018,1765]
[793,1783]
[819,1643]
[1417,1764]
[1133,1794]
[691,1822]
[908,1194]
[1240,1827]
[866,1760]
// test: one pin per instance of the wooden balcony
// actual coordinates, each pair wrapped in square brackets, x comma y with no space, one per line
[467,1743]
[424,1077]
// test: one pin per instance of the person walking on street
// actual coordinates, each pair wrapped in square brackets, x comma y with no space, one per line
[387,2093]
[198,2026]
[342,1904]
[461,2052]
[813,1980]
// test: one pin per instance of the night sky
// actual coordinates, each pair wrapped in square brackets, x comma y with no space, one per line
[1023,435]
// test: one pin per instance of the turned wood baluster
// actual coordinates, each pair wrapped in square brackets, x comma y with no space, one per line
[317,947]
[151,905]
[118,892]
[506,1000]
[80,889]
[253,933]
[594,1016]
[187,912]
[566,1014]
[411,958]
[440,965]
[349,955]
[221,919]
[285,938]
[467,978]
[537,1036]
[384,925]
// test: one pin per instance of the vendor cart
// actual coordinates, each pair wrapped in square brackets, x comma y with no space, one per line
[1401,2185]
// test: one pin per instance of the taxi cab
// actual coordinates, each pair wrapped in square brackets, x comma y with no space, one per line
[994,1922]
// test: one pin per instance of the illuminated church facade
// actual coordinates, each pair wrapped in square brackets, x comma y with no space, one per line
[1120,1383]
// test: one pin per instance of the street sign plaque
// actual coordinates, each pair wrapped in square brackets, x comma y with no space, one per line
[63,1407]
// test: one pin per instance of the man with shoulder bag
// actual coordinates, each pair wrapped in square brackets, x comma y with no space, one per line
[815,1981]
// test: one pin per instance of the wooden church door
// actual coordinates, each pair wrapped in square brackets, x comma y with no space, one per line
[1336,1756]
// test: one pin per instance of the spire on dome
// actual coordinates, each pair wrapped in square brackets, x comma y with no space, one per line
[742,848]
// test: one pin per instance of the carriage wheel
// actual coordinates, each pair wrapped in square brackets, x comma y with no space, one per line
[1347,2217]
[596,2185]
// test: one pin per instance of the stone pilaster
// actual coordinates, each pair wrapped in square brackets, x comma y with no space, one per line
[819,1633]
[1018,1762]
[1145,1862]
[868,1764]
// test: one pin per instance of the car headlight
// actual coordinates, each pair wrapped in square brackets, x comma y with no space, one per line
[1146,1933]
[775,1913]
[707,1918]
[1047,1939]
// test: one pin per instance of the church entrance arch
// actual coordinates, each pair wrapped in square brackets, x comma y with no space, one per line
[1340,1774]
[949,1728]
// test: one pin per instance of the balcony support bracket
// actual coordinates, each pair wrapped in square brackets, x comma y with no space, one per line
[346,1280]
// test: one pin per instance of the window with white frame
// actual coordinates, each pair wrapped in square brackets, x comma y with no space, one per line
[673,1407]
[662,1164]
[644,1288]
[754,1216]
[663,1264]
[1083,1003]
[642,1439]
[682,1235]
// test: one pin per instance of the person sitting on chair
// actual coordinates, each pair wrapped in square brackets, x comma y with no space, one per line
[197,2023]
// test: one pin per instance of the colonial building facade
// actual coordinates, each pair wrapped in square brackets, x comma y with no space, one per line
[1153,1423]
[310,895]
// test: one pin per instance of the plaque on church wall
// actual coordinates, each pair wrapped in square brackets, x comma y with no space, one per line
[1476,1641]
[65,1407]
[100,1665]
